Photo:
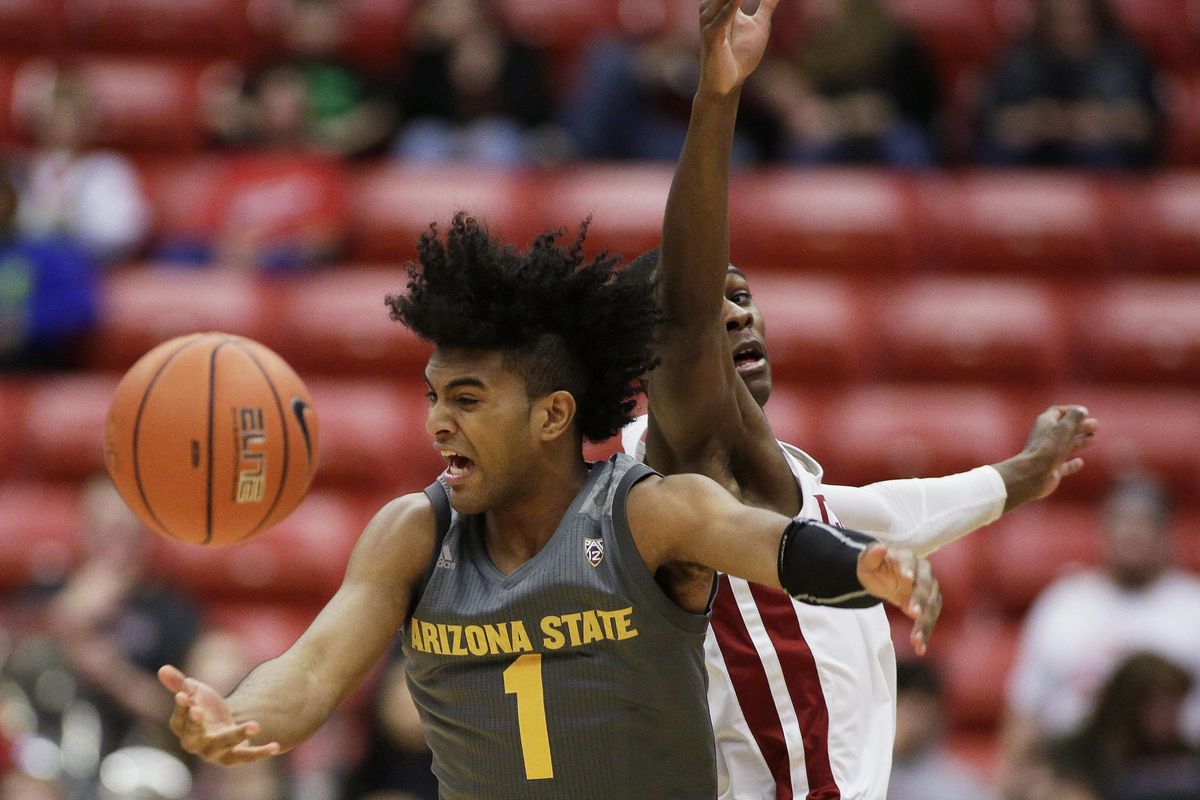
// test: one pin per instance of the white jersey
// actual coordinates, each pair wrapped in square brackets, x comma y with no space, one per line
[802,697]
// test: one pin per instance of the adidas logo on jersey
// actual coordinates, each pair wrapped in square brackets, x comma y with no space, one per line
[446,559]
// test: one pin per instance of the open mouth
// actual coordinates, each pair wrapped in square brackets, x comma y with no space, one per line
[458,467]
[749,356]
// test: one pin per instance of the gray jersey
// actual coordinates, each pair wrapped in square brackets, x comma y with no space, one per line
[574,677]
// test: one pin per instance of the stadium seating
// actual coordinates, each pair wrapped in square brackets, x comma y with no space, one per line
[302,559]
[626,203]
[957,569]
[337,323]
[63,431]
[958,35]
[1141,330]
[974,658]
[373,36]
[876,431]
[265,628]
[38,527]
[1182,93]
[857,222]
[1026,222]
[372,435]
[144,307]
[970,329]
[391,205]
[1162,217]
[1024,551]
[816,326]
[30,26]
[189,27]
[12,404]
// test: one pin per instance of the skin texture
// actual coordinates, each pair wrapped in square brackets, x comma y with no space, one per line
[525,468]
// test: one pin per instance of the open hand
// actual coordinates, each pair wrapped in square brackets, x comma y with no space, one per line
[205,726]
[907,582]
[732,42]
[1050,454]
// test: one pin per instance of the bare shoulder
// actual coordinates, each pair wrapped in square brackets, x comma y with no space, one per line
[398,541]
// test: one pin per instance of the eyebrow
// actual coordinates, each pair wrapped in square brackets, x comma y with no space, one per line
[471,381]
[732,270]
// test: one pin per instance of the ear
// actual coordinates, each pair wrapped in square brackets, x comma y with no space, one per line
[552,415]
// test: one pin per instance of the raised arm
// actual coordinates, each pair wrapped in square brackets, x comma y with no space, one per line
[285,700]
[696,363]
[691,519]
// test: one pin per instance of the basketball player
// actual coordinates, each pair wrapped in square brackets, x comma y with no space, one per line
[553,625]
[802,697]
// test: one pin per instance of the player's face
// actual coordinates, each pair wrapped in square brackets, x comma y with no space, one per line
[479,418]
[747,336]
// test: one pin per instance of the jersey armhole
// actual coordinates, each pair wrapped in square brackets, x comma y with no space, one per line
[635,568]
[436,492]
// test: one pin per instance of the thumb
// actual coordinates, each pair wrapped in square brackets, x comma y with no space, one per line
[872,558]
[171,678]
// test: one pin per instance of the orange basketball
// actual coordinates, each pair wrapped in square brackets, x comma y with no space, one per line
[211,438]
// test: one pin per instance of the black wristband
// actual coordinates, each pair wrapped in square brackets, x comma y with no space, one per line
[818,565]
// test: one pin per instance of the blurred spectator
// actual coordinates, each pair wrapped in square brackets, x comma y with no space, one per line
[397,764]
[1074,91]
[922,767]
[1085,624]
[469,91]
[94,198]
[1131,747]
[857,88]
[311,100]
[47,295]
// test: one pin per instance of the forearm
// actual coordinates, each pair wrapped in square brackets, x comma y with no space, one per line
[921,514]
[695,240]
[286,698]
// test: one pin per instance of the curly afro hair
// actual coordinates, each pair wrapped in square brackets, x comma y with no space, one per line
[562,324]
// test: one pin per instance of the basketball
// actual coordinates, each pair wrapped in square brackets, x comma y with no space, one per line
[211,439]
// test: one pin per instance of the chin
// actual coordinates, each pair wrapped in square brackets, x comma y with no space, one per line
[760,388]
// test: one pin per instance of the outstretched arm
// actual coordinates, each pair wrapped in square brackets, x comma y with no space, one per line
[283,701]
[696,380]
[691,519]
[923,514]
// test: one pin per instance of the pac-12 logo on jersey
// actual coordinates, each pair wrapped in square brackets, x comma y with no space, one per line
[593,550]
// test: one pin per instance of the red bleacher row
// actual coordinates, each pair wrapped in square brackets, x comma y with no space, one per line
[963,31]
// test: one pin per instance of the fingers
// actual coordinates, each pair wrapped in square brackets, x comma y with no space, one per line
[716,12]
[1070,467]
[766,8]
[245,753]
[171,678]
[926,602]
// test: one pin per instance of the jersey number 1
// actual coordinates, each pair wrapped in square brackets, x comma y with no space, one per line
[524,679]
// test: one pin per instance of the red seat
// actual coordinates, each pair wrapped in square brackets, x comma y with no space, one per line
[180,27]
[974,659]
[1183,118]
[391,206]
[957,569]
[971,329]
[151,104]
[1187,539]
[793,414]
[1031,547]
[1163,217]
[822,220]
[1037,223]
[337,323]
[265,629]
[959,35]
[563,24]
[12,409]
[144,307]
[814,324]
[38,533]
[626,204]
[1142,330]
[878,432]
[373,435]
[302,558]
[1168,29]
[64,426]
[1140,429]
[30,26]
[373,31]
[7,71]
[180,190]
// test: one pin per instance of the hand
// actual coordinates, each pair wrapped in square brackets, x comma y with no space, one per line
[907,582]
[204,723]
[1050,455]
[732,43]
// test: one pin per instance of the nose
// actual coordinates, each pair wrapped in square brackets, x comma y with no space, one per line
[736,317]
[437,422]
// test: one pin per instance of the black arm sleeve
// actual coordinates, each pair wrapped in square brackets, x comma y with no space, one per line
[818,565]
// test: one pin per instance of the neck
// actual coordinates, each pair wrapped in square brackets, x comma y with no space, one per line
[519,530]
